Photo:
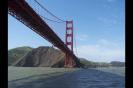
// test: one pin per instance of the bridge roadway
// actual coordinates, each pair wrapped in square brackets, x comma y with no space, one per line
[25,14]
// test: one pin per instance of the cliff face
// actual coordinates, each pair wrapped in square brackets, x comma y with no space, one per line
[42,57]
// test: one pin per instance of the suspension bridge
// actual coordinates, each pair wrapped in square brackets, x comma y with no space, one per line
[24,12]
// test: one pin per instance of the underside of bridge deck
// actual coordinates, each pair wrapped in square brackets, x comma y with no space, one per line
[25,14]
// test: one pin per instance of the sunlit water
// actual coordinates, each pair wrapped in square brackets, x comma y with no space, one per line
[86,78]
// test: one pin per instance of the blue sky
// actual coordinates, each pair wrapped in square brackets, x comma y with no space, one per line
[99,28]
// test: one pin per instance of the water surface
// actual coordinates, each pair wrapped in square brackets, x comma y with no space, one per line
[85,78]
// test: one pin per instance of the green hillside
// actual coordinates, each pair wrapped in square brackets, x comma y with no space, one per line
[90,64]
[45,56]
[17,53]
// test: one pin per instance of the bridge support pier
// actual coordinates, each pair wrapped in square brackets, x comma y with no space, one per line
[24,13]
[69,62]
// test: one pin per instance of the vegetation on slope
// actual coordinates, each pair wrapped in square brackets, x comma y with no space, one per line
[17,53]
[91,64]
[42,56]
[45,56]
[117,64]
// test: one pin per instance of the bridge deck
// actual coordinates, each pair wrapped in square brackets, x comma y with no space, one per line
[25,14]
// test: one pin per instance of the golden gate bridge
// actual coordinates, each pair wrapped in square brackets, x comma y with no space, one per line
[25,13]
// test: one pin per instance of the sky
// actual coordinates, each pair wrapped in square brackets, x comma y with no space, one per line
[99,28]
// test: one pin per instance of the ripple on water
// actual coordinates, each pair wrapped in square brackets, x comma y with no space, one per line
[89,78]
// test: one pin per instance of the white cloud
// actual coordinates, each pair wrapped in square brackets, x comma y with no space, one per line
[103,51]
[107,20]
[106,43]
[82,37]
[111,0]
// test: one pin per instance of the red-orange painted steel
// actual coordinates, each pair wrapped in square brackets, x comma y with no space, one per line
[69,42]
[25,14]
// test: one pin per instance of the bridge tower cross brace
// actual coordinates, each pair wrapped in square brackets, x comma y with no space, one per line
[69,43]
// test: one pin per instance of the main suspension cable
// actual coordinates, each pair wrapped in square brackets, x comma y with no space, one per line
[48,11]
[50,19]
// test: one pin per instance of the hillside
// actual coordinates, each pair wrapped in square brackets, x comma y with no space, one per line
[17,53]
[42,57]
[91,64]
[117,64]
[45,56]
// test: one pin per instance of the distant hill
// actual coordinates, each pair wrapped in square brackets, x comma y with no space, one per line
[17,53]
[86,64]
[90,64]
[117,64]
[45,56]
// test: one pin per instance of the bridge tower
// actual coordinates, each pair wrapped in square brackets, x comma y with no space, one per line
[69,43]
